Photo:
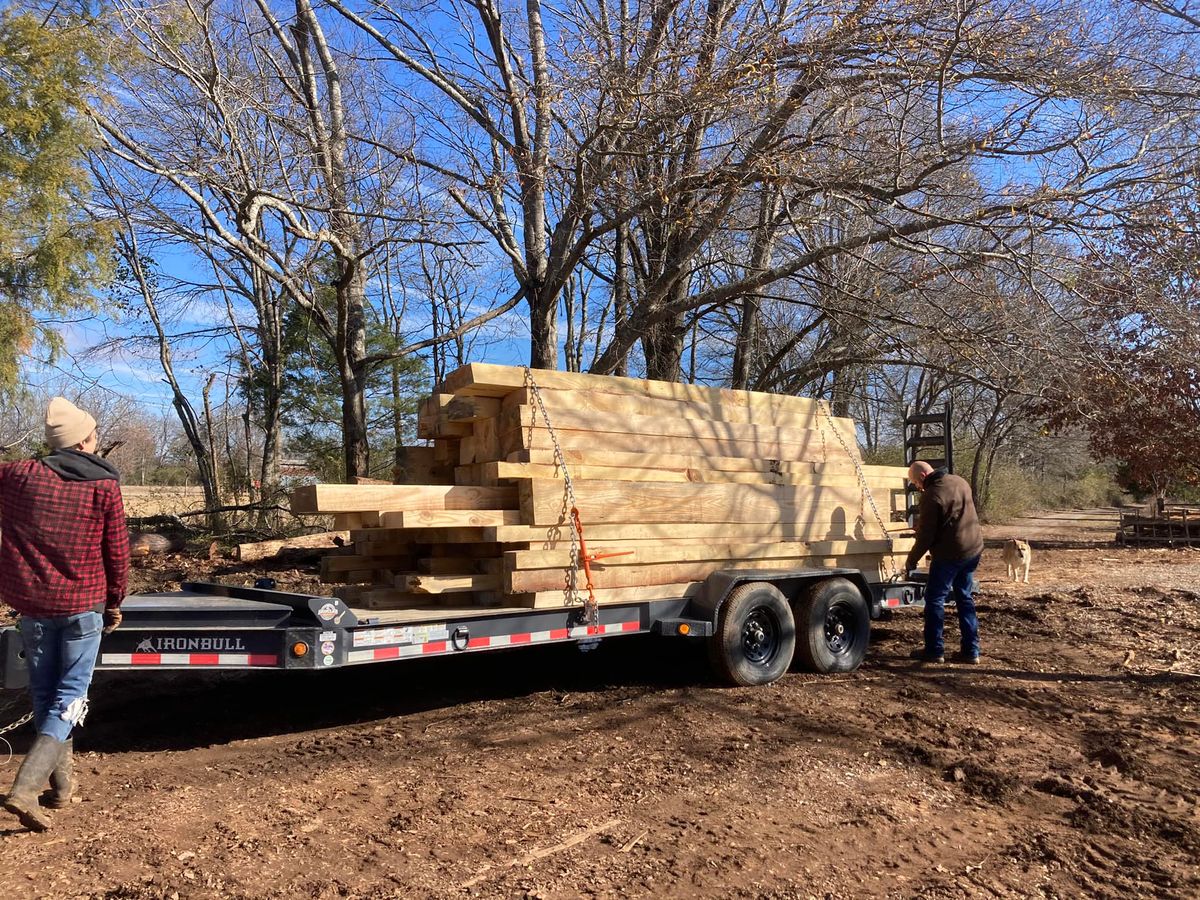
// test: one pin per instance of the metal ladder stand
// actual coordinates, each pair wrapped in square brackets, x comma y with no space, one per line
[916,437]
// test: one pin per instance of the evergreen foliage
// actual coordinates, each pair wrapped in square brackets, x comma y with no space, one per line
[51,250]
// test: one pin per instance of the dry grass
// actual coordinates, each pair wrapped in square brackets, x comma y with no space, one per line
[161,500]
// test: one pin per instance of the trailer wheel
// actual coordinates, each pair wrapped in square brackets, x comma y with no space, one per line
[835,626]
[756,635]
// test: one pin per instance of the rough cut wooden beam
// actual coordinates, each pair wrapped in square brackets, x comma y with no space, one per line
[534,580]
[356,498]
[446,451]
[556,535]
[265,549]
[391,598]
[430,414]
[355,578]
[360,535]
[609,596]
[484,380]
[812,450]
[446,584]
[646,555]
[653,458]
[356,563]
[484,473]
[478,518]
[444,415]
[649,502]
[465,536]
[788,412]
[449,565]
[472,409]
[417,465]
[522,418]
[486,442]
[385,548]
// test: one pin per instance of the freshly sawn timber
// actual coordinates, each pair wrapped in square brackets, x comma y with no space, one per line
[672,482]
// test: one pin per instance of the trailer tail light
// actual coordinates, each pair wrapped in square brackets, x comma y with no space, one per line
[299,649]
[685,629]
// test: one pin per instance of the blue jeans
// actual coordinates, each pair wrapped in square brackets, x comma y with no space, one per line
[61,654]
[957,577]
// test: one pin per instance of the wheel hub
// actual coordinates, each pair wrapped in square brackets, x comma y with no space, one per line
[839,629]
[760,637]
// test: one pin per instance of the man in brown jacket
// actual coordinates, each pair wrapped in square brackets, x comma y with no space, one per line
[948,530]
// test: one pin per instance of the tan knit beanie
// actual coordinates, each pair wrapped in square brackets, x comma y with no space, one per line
[67,424]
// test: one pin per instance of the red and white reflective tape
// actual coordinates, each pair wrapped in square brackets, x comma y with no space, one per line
[432,648]
[189,659]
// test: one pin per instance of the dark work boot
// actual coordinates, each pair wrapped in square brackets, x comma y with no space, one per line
[22,801]
[62,779]
[923,656]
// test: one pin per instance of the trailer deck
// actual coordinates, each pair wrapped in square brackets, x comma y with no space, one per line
[214,626]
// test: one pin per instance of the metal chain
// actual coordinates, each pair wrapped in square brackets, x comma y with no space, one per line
[17,724]
[571,588]
[866,488]
[6,729]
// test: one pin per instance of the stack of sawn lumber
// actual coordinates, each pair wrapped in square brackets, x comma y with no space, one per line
[681,480]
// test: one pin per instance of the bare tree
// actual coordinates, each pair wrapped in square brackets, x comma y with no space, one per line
[247,120]
[135,277]
[908,115]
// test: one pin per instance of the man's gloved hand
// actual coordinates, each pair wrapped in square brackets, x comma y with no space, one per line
[112,619]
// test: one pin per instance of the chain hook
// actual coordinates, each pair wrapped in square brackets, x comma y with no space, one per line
[578,558]
[866,488]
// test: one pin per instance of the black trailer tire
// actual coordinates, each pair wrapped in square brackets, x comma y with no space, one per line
[755,638]
[834,623]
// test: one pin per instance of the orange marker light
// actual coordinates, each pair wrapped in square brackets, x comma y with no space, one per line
[685,629]
[299,648]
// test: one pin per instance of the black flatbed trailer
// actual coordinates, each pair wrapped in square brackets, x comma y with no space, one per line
[754,621]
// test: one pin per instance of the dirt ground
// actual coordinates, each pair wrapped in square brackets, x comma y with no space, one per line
[1063,527]
[1066,765]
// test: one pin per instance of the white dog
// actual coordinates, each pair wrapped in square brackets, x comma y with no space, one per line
[1017,555]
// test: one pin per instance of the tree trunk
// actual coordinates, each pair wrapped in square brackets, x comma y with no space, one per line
[573,345]
[327,116]
[356,453]
[621,291]
[663,341]
[744,351]
[662,345]
[543,329]
[269,472]
[352,299]
[985,453]
[841,391]
[269,308]
[215,523]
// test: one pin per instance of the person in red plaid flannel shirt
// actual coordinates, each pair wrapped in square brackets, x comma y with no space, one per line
[64,555]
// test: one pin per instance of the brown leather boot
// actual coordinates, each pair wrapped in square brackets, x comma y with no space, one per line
[39,762]
[62,779]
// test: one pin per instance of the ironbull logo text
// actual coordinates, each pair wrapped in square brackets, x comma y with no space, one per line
[209,644]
